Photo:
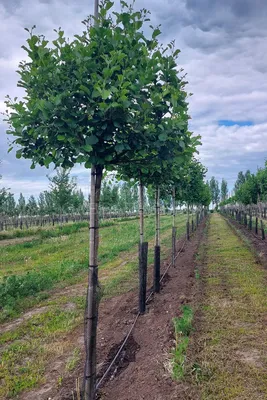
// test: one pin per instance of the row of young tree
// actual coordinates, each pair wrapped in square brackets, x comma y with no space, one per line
[62,197]
[218,193]
[113,98]
[249,188]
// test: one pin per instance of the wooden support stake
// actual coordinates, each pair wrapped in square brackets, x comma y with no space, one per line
[256,226]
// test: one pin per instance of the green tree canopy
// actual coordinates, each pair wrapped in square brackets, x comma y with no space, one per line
[62,187]
[224,190]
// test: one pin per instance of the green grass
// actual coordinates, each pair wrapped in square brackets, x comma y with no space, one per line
[233,338]
[182,329]
[30,348]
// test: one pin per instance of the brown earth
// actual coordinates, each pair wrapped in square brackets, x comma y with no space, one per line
[8,242]
[143,370]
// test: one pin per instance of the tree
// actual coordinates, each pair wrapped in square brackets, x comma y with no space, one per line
[115,195]
[240,180]
[21,205]
[3,195]
[62,187]
[224,190]
[78,201]
[42,204]
[86,103]
[248,192]
[31,206]
[106,195]
[215,191]
[49,202]
[247,175]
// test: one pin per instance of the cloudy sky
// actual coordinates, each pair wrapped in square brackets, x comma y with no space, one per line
[223,50]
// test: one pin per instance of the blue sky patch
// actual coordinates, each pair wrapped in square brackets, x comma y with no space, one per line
[229,122]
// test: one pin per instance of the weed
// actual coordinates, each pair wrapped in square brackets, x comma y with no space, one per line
[73,360]
[182,329]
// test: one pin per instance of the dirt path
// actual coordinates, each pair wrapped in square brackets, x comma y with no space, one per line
[230,340]
[142,374]
[8,242]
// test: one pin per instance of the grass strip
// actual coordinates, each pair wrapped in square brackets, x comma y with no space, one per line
[232,342]
[182,330]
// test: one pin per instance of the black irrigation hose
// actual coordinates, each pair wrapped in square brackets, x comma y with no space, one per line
[134,323]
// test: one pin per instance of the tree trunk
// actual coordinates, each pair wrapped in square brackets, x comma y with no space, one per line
[188,223]
[143,248]
[173,206]
[157,207]
[157,243]
[91,313]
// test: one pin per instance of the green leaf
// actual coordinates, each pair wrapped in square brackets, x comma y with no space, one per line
[109,5]
[91,140]
[138,24]
[47,161]
[119,147]
[163,137]
[105,94]
[156,33]
[61,138]
[18,154]
[182,144]
[85,89]
[80,159]
[87,148]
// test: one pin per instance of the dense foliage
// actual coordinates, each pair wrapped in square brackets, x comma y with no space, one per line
[250,188]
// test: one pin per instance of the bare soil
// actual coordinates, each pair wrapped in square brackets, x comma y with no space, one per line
[142,370]
[8,242]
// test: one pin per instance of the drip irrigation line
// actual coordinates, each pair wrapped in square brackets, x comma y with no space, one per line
[134,323]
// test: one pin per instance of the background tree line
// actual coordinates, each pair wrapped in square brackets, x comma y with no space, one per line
[249,188]
[64,197]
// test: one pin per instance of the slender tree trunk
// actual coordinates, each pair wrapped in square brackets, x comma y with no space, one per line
[143,248]
[157,243]
[188,223]
[92,300]
[173,207]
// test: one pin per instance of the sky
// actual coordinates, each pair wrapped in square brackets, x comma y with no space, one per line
[223,51]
